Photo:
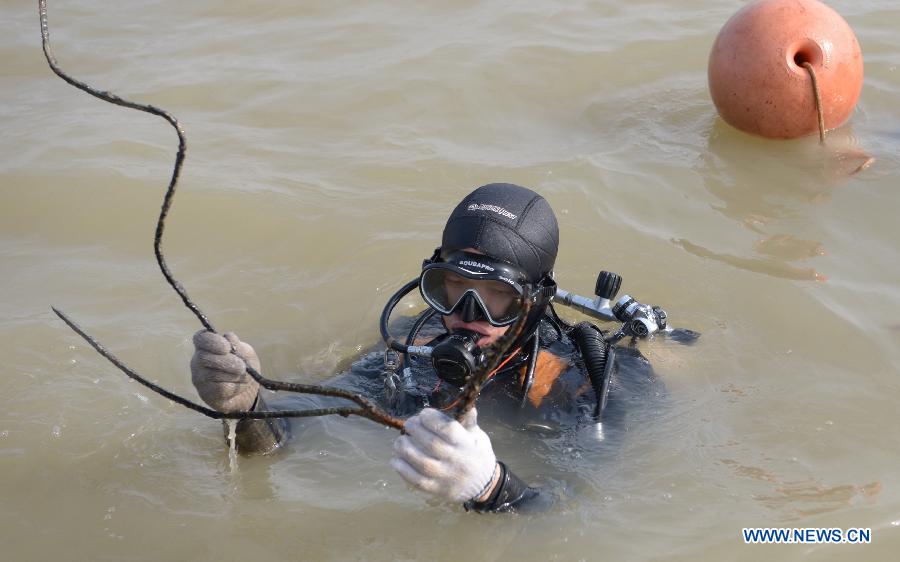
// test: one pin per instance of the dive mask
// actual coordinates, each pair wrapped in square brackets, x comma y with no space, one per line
[476,286]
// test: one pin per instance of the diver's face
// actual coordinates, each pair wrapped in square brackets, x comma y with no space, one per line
[498,297]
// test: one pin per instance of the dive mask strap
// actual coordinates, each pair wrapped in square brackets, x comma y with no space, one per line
[435,258]
[547,288]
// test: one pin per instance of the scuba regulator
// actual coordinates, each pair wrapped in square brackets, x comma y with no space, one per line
[455,355]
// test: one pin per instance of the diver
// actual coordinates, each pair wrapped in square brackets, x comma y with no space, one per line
[499,240]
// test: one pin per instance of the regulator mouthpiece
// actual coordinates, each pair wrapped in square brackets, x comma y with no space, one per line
[455,357]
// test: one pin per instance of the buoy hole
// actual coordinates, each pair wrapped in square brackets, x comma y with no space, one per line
[806,51]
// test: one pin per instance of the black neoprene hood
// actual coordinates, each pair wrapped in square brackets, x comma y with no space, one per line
[506,222]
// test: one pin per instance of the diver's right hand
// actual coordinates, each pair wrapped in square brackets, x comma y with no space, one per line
[220,377]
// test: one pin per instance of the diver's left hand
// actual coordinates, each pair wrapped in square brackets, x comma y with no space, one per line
[444,457]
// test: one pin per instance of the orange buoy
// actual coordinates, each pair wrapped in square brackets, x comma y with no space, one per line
[756,75]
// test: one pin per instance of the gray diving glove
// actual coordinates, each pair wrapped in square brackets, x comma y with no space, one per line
[221,378]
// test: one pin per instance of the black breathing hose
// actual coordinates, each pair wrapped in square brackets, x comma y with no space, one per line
[598,359]
[414,332]
[529,373]
[386,316]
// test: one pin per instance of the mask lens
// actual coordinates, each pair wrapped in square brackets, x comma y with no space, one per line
[443,289]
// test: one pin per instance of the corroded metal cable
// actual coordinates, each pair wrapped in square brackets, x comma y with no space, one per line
[176,171]
[366,408]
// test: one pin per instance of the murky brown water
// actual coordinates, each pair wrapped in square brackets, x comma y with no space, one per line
[327,145]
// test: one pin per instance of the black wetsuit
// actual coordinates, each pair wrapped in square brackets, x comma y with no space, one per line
[560,401]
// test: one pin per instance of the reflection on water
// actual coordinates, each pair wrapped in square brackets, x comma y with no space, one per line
[787,247]
[794,499]
[783,181]
[774,266]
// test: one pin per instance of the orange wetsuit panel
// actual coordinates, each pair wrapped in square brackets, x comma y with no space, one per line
[546,370]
